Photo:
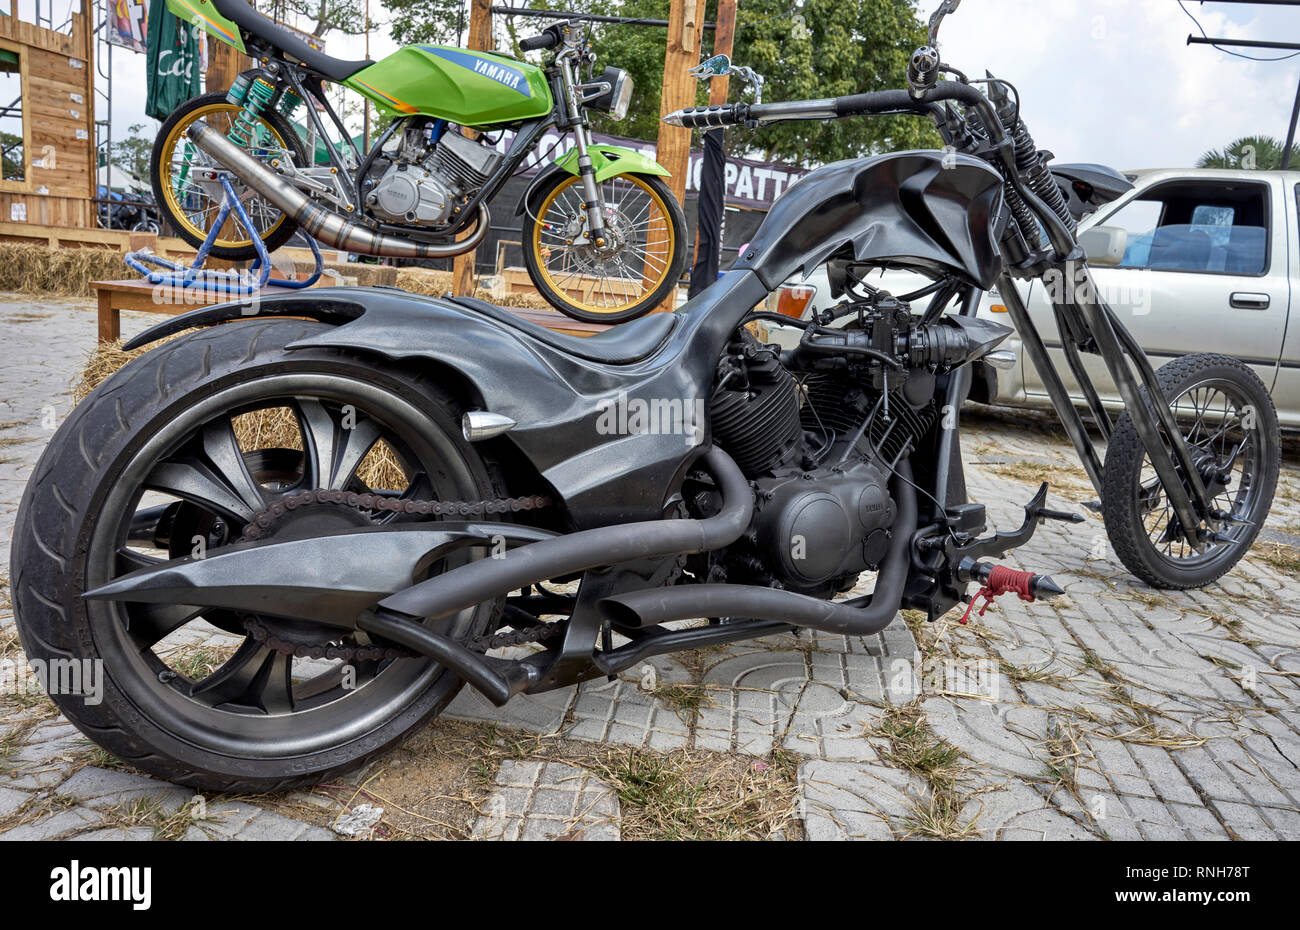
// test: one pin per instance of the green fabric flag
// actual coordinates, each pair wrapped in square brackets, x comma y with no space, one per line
[171,62]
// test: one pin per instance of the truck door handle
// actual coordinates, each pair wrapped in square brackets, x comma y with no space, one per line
[1246,300]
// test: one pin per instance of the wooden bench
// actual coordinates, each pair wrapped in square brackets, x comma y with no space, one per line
[137,294]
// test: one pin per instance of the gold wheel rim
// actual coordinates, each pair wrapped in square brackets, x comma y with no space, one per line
[649,229]
[183,216]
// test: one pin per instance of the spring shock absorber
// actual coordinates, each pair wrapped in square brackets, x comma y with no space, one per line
[252,92]
[288,103]
[1032,167]
[1029,160]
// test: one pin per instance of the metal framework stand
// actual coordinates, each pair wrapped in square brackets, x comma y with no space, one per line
[234,282]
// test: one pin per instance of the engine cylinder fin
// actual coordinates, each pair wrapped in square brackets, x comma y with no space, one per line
[758,425]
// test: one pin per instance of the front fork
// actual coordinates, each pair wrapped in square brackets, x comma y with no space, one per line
[592,202]
[1086,323]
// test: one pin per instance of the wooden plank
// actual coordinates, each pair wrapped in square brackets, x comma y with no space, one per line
[117,238]
[38,37]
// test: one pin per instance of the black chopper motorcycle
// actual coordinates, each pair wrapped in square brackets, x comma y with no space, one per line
[583,494]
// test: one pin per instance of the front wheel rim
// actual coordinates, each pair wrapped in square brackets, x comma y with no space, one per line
[606,281]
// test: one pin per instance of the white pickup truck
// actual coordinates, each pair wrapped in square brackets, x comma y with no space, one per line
[1192,260]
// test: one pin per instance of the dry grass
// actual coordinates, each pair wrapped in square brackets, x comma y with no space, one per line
[438,783]
[1063,753]
[684,700]
[149,812]
[695,795]
[32,269]
[198,662]
[1278,555]
[913,746]
[1046,673]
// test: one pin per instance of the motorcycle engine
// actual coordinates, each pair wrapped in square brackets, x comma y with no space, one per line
[424,181]
[821,467]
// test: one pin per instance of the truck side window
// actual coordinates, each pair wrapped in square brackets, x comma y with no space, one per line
[1214,227]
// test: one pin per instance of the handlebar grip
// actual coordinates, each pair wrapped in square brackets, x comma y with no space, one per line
[728,114]
[547,39]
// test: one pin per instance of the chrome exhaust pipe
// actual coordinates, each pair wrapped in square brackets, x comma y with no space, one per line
[323,224]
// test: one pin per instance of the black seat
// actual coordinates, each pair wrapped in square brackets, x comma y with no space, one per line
[253,22]
[619,345]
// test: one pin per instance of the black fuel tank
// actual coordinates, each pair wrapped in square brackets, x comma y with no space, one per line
[934,212]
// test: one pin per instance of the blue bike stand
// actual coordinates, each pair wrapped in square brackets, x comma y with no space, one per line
[195,277]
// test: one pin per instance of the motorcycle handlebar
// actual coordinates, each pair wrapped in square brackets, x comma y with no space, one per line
[887,102]
[728,114]
[547,39]
[875,102]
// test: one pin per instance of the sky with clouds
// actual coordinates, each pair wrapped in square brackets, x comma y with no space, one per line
[1110,81]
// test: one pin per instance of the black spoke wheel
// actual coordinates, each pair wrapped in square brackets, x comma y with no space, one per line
[1230,426]
[174,455]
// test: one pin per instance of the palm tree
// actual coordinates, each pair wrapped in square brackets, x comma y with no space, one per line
[1261,153]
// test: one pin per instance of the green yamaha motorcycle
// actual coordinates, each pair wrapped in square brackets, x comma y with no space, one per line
[603,237]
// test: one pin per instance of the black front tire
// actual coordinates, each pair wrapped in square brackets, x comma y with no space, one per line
[1131,496]
[561,301]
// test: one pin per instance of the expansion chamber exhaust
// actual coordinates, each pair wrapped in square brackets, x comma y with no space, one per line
[398,618]
[325,225]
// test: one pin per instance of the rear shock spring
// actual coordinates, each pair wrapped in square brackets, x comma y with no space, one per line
[288,103]
[255,98]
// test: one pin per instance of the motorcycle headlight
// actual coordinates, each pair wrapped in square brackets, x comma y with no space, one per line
[616,100]
[622,95]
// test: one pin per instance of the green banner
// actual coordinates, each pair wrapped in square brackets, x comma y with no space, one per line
[171,62]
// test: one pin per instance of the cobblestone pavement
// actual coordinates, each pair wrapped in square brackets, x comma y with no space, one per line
[1115,711]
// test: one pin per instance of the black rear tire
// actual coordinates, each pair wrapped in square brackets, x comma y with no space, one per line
[1133,502]
[72,504]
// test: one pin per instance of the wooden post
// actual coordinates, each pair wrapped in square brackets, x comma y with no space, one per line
[685,25]
[724,42]
[480,40]
[224,65]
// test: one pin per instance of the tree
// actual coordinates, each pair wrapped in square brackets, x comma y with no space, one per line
[132,153]
[816,48]
[322,16]
[831,48]
[441,22]
[1261,153]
